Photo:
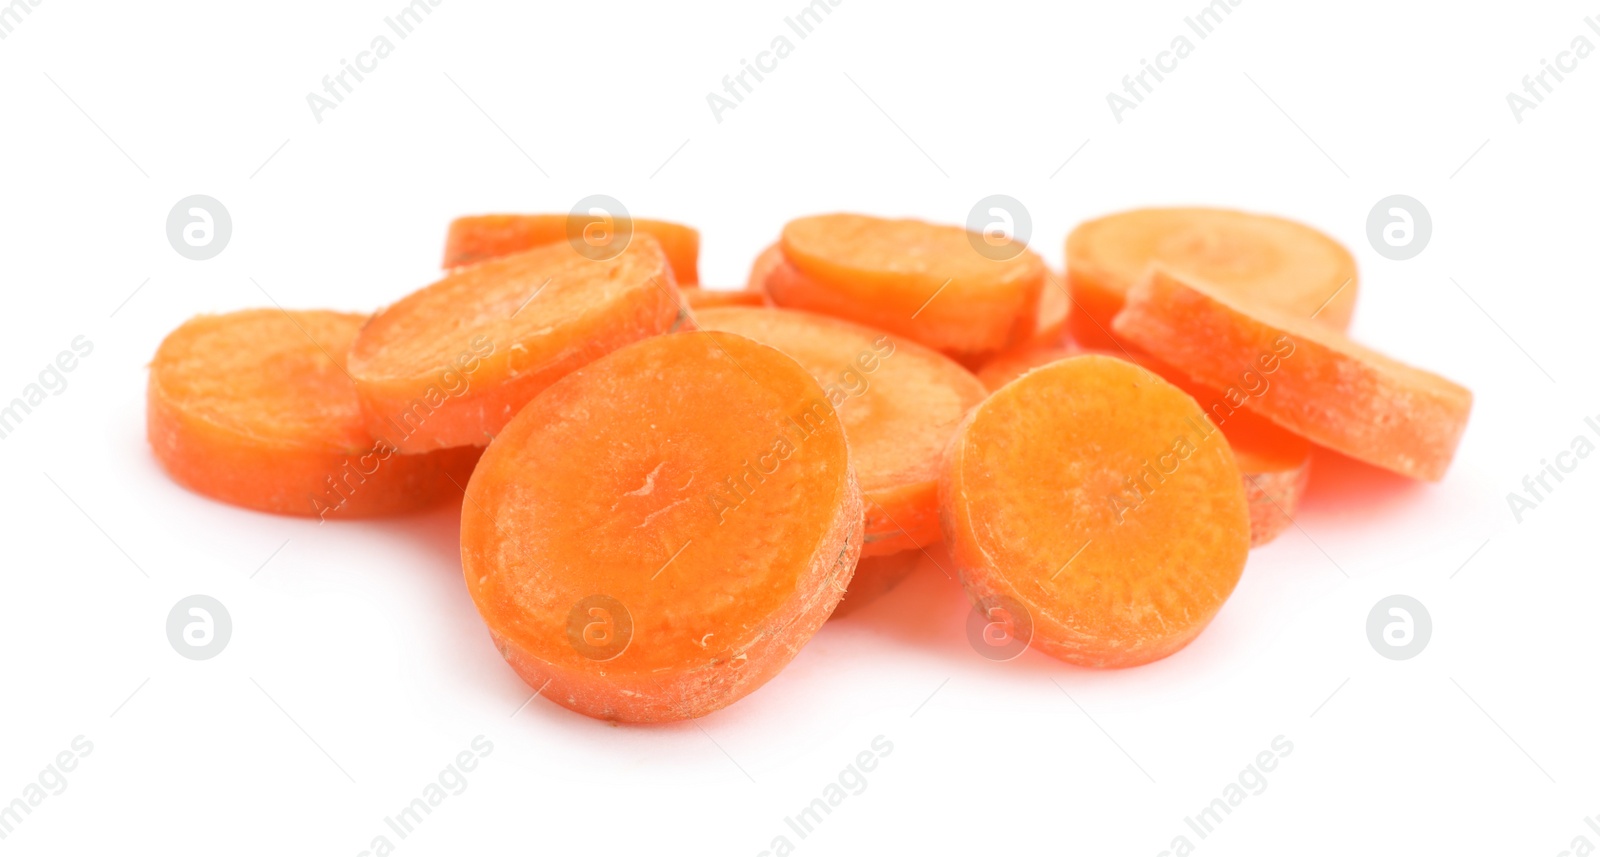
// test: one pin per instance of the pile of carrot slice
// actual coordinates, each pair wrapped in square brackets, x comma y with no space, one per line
[666,490]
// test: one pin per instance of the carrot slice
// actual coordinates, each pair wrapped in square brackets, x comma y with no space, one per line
[254,408]
[1094,500]
[923,281]
[1050,320]
[1258,257]
[1304,376]
[900,404]
[698,298]
[763,266]
[520,322]
[1011,365]
[489,236]
[657,534]
[874,577]
[1275,463]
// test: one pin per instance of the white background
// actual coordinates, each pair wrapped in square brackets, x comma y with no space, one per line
[358,667]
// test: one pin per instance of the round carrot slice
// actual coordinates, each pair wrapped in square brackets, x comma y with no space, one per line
[763,266]
[482,237]
[876,575]
[450,364]
[698,298]
[1275,463]
[1092,502]
[899,402]
[1303,376]
[1011,365]
[657,534]
[1050,321]
[923,281]
[1254,257]
[254,408]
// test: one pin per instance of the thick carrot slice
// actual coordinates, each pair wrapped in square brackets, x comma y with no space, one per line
[874,577]
[489,236]
[521,321]
[763,266]
[657,534]
[925,282]
[1093,502]
[1257,257]
[1050,320]
[899,402]
[1011,365]
[1275,463]
[254,408]
[1312,380]
[698,298]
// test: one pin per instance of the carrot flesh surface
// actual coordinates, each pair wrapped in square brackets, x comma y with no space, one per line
[1275,463]
[451,364]
[1255,257]
[1096,498]
[695,489]
[923,281]
[763,266]
[254,408]
[1323,386]
[479,238]
[1055,305]
[875,576]
[698,298]
[899,402]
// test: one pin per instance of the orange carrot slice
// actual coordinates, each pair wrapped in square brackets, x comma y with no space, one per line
[1254,257]
[1275,463]
[1092,502]
[763,266]
[1011,365]
[874,577]
[925,282]
[450,364]
[254,408]
[899,402]
[657,534]
[1050,320]
[489,236]
[698,298]
[1304,376]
